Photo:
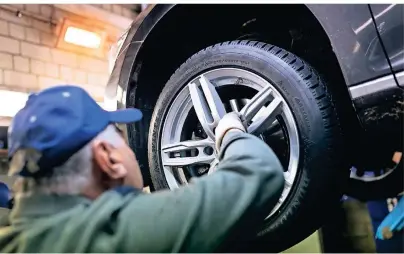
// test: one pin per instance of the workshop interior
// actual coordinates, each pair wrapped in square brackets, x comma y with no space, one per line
[321,85]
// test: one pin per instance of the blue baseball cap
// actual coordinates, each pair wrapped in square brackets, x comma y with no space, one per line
[55,124]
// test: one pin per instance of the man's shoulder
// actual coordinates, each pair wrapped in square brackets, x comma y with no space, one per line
[85,222]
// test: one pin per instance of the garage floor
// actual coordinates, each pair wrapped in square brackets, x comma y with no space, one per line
[309,245]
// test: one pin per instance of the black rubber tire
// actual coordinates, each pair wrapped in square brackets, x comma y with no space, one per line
[315,113]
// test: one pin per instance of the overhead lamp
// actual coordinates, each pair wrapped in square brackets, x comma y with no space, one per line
[83,38]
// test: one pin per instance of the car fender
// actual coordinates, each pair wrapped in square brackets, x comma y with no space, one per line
[349,28]
[115,93]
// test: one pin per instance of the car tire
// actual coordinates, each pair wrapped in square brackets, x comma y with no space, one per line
[321,148]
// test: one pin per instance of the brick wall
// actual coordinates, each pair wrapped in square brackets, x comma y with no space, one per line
[31,60]
[126,10]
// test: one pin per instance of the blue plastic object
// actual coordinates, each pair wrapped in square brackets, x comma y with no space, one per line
[4,195]
[393,222]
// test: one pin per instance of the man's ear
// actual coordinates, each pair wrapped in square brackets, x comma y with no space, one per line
[108,159]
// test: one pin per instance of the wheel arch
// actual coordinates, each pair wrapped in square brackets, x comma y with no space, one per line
[144,31]
[152,51]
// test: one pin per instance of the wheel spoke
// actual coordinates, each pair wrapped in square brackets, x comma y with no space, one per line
[174,153]
[215,103]
[266,118]
[207,104]
[234,105]
[262,117]
[258,115]
[256,103]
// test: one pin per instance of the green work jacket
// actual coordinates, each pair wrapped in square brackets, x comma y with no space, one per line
[212,213]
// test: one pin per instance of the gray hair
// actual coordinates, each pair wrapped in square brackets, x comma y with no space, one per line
[73,175]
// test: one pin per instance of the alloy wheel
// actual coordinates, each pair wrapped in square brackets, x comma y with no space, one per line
[187,138]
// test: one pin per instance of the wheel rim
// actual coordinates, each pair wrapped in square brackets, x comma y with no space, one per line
[268,110]
[372,176]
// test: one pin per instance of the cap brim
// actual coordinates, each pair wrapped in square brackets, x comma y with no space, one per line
[129,115]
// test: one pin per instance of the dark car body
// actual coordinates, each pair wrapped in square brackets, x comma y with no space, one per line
[367,41]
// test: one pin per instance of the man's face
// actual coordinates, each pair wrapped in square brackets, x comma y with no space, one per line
[117,163]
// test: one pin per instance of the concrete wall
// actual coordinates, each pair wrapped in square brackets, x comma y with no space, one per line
[30,58]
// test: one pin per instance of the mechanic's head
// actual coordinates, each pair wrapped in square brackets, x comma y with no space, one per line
[63,142]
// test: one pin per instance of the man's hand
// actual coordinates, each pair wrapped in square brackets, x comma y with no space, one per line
[230,121]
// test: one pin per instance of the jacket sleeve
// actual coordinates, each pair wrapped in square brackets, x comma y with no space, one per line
[212,211]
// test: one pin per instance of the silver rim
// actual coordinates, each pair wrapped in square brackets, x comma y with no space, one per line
[372,176]
[267,111]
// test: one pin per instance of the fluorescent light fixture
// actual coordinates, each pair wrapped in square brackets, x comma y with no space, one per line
[82,37]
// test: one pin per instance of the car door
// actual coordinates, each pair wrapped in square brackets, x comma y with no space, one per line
[389,21]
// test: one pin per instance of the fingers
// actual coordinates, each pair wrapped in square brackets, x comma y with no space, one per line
[230,121]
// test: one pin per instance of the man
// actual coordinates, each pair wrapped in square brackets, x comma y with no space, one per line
[79,185]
